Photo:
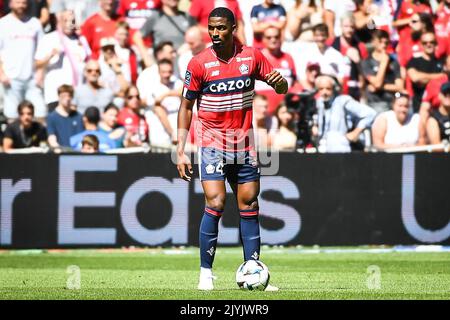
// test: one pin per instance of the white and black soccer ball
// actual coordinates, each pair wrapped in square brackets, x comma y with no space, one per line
[252,275]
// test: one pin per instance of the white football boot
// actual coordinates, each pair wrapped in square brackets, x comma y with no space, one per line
[271,288]
[206,280]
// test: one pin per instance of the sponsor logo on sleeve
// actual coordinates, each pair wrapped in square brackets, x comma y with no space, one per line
[187,78]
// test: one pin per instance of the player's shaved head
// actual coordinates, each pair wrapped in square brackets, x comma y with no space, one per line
[222,12]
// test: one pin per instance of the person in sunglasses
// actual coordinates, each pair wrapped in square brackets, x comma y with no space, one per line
[423,69]
[92,93]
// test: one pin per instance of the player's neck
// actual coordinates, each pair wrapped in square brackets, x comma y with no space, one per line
[225,53]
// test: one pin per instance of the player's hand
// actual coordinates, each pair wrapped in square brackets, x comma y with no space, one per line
[273,78]
[184,167]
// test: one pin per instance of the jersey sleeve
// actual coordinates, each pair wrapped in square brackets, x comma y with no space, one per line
[193,80]
[262,66]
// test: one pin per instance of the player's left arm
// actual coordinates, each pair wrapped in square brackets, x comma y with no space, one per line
[276,81]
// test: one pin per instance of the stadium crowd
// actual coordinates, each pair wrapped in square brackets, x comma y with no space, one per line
[99,75]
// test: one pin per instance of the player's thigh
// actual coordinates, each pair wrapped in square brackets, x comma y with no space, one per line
[215,193]
[247,195]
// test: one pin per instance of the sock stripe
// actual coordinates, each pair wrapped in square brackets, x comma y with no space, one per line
[215,213]
[249,213]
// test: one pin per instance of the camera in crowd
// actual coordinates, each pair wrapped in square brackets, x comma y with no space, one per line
[303,106]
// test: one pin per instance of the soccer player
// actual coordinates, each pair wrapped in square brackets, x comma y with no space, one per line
[221,78]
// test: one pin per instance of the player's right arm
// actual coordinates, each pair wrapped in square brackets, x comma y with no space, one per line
[184,124]
[191,91]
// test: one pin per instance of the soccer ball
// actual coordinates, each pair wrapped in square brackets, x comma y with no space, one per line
[252,275]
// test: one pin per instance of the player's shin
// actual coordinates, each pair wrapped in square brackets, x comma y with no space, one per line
[209,229]
[250,236]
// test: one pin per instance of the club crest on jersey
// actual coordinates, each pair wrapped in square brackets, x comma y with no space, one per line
[244,69]
[187,78]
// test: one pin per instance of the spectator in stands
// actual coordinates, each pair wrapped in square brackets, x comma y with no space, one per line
[91,118]
[164,51]
[301,18]
[193,40]
[266,15]
[364,15]
[64,121]
[331,61]
[349,45]
[406,15]
[262,122]
[102,24]
[110,126]
[35,8]
[281,61]
[136,13]
[442,26]
[334,10]
[398,127]
[163,98]
[82,9]
[430,98]
[438,124]
[126,54]
[132,119]
[201,9]
[92,93]
[311,74]
[409,46]
[284,139]
[382,73]
[19,36]
[423,69]
[113,69]
[24,132]
[90,144]
[333,132]
[62,55]
[166,24]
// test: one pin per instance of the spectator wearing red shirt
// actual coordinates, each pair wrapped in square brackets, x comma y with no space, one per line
[133,120]
[268,14]
[100,25]
[410,46]
[136,13]
[200,10]
[406,12]
[349,45]
[442,28]
[281,61]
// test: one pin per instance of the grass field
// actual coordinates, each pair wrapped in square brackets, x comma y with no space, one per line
[173,274]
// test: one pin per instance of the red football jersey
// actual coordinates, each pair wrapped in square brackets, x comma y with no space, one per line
[95,28]
[224,91]
[136,13]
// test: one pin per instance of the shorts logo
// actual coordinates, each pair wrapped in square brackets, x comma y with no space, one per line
[244,69]
[210,169]
[187,78]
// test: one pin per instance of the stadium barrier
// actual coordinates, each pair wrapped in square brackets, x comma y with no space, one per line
[65,201]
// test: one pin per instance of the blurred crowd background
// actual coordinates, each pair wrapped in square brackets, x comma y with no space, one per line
[106,75]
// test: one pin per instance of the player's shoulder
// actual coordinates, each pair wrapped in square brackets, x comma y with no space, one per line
[204,57]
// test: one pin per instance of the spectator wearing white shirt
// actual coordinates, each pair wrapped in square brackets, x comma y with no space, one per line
[62,55]
[164,98]
[333,12]
[398,127]
[19,37]
[331,61]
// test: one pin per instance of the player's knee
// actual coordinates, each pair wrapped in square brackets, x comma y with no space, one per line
[216,203]
[249,209]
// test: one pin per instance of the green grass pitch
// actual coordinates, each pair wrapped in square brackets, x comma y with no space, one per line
[173,274]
